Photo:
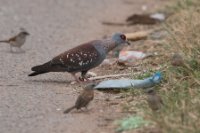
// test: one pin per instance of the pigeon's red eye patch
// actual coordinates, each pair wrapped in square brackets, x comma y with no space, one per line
[123,37]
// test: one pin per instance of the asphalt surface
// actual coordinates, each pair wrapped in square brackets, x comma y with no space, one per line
[36,104]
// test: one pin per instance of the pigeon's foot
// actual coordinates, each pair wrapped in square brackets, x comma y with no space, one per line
[84,79]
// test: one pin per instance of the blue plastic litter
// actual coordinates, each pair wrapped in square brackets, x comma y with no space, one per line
[130,83]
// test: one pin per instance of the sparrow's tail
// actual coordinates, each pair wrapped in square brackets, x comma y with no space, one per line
[40,69]
[4,41]
[69,109]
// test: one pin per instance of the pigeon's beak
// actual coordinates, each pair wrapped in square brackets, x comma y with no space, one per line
[127,42]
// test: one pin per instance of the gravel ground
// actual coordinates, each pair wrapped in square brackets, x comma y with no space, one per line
[35,104]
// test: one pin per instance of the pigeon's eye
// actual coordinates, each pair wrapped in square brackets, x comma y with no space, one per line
[123,37]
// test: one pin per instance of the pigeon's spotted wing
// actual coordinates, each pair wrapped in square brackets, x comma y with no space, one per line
[83,57]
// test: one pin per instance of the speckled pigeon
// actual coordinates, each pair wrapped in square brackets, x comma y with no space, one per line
[81,58]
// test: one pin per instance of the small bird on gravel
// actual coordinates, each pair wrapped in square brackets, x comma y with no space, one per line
[81,58]
[154,100]
[84,98]
[17,41]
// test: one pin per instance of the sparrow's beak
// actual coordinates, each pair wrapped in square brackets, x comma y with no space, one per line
[127,42]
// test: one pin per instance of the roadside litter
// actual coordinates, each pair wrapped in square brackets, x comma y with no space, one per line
[127,57]
[145,19]
[132,56]
[130,83]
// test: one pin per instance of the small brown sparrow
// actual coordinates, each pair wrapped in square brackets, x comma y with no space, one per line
[17,41]
[154,100]
[84,98]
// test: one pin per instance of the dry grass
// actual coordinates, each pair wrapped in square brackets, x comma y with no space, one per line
[182,111]
[180,88]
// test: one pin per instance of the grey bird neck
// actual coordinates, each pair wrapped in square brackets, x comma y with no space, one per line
[108,45]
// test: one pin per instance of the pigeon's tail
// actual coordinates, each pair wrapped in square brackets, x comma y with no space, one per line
[45,68]
[69,109]
[4,41]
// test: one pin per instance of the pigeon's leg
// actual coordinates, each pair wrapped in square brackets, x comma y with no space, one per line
[86,107]
[83,76]
[81,110]
[76,78]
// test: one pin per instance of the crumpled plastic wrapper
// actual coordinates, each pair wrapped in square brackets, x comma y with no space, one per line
[132,56]
[158,16]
